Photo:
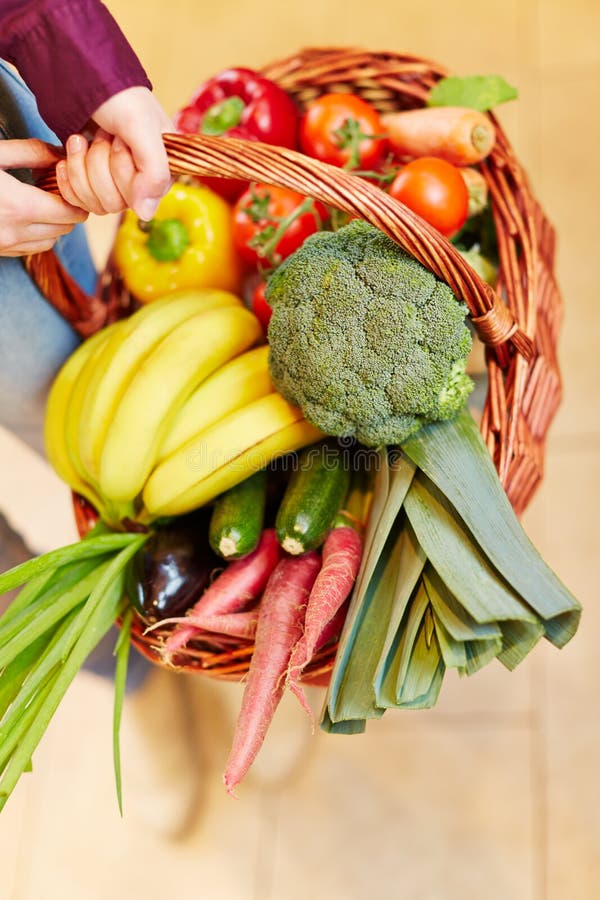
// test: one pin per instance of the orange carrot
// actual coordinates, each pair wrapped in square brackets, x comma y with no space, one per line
[280,624]
[477,188]
[457,134]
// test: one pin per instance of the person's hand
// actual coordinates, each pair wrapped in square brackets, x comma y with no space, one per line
[126,163]
[31,219]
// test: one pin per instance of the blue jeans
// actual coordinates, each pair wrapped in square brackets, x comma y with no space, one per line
[34,339]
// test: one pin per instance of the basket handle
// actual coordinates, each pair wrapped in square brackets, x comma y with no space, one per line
[253,161]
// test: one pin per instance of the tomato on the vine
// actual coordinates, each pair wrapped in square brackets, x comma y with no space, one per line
[269,223]
[435,190]
[343,130]
[260,305]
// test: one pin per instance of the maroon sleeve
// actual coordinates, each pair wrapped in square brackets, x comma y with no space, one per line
[71,54]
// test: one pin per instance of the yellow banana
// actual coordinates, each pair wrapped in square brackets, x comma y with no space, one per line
[225,454]
[56,412]
[122,356]
[77,398]
[165,379]
[237,383]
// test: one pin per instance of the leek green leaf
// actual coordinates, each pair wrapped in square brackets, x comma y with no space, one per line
[351,726]
[454,617]
[518,639]
[453,455]
[351,694]
[424,673]
[391,485]
[454,653]
[410,565]
[393,668]
[457,559]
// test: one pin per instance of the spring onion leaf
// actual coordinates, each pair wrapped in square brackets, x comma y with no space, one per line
[69,576]
[122,654]
[89,546]
[35,622]
[15,674]
[95,618]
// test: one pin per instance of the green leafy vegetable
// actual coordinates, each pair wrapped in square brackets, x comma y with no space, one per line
[74,598]
[89,546]
[365,339]
[122,654]
[482,92]
[455,458]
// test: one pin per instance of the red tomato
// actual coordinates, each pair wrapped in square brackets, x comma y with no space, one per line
[343,130]
[260,306]
[260,211]
[435,190]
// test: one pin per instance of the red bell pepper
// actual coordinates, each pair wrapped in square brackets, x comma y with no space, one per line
[240,103]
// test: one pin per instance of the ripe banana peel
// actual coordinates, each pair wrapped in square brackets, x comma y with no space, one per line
[226,453]
[77,399]
[55,442]
[239,382]
[121,357]
[165,379]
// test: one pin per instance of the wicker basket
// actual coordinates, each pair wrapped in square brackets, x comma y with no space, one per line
[518,323]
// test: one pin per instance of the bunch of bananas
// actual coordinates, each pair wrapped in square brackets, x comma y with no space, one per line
[159,413]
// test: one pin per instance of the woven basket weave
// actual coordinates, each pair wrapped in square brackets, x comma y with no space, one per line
[518,322]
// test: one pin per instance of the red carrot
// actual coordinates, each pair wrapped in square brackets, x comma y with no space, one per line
[241,583]
[342,552]
[299,659]
[240,624]
[280,623]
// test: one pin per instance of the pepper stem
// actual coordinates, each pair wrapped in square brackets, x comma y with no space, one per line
[167,239]
[222,116]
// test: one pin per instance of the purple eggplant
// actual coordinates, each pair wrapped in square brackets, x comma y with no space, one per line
[172,569]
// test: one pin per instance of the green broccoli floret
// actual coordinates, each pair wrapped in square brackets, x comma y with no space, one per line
[364,339]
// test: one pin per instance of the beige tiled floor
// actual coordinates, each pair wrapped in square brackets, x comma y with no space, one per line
[494,793]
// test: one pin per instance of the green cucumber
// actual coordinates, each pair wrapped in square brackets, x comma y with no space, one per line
[312,498]
[237,518]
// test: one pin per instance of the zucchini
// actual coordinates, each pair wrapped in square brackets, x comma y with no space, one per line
[312,498]
[237,519]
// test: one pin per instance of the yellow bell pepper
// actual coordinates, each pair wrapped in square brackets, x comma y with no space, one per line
[188,244]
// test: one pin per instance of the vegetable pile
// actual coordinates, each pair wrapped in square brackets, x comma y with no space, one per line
[275,445]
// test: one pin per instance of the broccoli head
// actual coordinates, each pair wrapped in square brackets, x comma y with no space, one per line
[364,339]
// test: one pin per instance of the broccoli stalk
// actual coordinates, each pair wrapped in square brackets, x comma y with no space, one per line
[364,339]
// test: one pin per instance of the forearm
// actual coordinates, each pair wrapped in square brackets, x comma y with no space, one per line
[71,53]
